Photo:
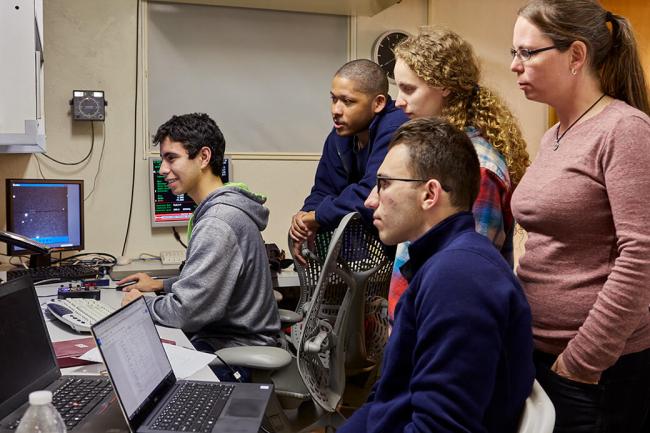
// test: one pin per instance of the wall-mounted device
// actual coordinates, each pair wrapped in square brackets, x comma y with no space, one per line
[382,51]
[88,105]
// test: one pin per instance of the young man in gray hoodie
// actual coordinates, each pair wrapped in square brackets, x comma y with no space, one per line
[224,294]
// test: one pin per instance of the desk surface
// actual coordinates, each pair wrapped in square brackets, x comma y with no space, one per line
[286,278]
[61,332]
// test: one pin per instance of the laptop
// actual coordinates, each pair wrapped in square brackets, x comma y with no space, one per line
[153,399]
[28,363]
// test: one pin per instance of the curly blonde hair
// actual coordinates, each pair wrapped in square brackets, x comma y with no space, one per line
[443,59]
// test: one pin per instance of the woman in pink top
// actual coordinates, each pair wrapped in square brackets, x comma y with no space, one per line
[584,202]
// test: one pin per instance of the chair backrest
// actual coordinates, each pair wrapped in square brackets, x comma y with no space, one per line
[346,326]
[308,276]
[539,413]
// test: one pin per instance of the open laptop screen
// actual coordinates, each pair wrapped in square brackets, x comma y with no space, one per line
[134,355]
[27,361]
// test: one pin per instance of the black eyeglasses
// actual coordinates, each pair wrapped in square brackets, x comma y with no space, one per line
[382,182]
[525,54]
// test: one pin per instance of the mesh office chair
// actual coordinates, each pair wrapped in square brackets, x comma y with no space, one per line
[539,413]
[346,327]
[308,276]
[332,341]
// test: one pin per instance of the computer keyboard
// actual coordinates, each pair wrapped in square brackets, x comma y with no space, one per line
[194,407]
[174,257]
[75,399]
[62,273]
[79,313]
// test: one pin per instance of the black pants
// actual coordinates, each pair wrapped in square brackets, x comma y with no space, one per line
[224,373]
[619,403]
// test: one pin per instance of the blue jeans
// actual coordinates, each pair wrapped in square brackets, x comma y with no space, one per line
[619,403]
[221,371]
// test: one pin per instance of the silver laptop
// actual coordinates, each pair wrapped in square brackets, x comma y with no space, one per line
[28,363]
[152,399]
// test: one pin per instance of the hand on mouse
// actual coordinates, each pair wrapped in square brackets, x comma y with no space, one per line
[144,283]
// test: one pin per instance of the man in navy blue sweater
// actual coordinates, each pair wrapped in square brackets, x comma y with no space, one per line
[459,358]
[364,121]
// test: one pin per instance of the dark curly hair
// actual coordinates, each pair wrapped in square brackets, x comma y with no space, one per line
[195,131]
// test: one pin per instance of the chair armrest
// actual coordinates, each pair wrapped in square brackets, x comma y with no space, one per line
[288,317]
[255,357]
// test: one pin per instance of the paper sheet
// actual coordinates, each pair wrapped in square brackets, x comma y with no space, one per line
[185,362]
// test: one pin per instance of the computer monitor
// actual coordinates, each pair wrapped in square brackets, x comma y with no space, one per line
[167,209]
[48,211]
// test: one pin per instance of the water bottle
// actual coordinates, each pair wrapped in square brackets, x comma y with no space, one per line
[41,416]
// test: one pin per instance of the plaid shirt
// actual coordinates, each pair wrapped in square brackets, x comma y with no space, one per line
[491,211]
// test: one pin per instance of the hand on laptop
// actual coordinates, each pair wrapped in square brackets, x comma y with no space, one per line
[143,283]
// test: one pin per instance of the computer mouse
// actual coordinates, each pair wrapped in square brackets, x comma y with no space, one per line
[123,261]
[122,286]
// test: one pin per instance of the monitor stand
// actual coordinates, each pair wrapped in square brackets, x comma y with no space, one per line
[39,260]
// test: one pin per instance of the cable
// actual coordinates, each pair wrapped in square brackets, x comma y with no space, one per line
[99,164]
[178,237]
[85,158]
[38,164]
[110,256]
[20,259]
[135,122]
[234,373]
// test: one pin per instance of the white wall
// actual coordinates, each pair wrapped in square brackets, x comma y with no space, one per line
[487,25]
[90,44]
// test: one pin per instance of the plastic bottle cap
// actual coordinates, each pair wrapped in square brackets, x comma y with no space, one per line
[40,397]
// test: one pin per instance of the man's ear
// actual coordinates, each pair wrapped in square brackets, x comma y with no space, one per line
[431,194]
[378,103]
[205,154]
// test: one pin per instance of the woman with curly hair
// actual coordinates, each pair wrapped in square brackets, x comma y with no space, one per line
[437,74]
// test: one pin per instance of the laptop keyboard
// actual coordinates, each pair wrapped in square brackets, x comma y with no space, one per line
[194,407]
[77,397]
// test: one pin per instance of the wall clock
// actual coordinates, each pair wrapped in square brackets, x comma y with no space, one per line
[382,50]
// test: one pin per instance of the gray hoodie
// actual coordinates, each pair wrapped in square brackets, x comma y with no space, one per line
[224,294]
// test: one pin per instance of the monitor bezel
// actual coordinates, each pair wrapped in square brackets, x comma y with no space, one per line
[152,204]
[11,250]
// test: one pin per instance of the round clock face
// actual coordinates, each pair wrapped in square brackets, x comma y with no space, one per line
[383,50]
[88,107]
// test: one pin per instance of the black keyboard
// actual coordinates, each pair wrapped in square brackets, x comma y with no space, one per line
[77,397]
[194,407]
[63,272]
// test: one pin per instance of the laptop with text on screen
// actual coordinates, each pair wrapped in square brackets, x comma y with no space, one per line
[152,399]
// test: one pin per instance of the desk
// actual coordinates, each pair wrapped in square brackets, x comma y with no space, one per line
[61,332]
[153,267]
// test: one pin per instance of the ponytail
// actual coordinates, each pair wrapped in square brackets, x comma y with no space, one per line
[621,74]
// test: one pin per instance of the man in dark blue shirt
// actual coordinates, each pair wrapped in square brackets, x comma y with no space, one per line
[459,358]
[364,121]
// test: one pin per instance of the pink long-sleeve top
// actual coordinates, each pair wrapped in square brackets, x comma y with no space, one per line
[586,269]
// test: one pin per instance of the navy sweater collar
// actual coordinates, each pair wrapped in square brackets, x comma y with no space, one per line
[436,239]
[388,108]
